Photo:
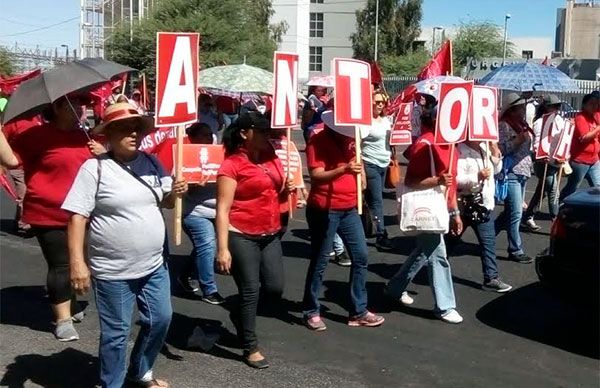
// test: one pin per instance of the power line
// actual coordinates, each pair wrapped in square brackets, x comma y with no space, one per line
[41,28]
[17,22]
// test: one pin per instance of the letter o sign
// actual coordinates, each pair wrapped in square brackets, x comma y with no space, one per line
[453,112]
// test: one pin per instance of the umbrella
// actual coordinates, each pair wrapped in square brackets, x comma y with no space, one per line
[528,76]
[49,86]
[234,80]
[431,86]
[322,80]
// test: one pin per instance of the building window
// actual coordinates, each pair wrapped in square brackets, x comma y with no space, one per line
[527,54]
[316,1]
[316,24]
[315,60]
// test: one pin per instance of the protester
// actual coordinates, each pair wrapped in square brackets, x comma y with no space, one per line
[338,254]
[376,154]
[315,105]
[585,147]
[546,169]
[431,249]
[515,145]
[332,207]
[51,155]
[116,91]
[476,167]
[120,194]
[251,185]
[207,114]
[136,101]
[198,223]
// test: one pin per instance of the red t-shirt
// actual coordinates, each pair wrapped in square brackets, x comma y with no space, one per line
[51,160]
[328,150]
[419,165]
[16,127]
[256,203]
[586,153]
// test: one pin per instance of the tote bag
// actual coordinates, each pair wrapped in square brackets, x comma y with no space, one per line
[423,211]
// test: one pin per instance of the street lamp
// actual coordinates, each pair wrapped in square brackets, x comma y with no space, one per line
[506,17]
[376,28]
[66,46]
[433,38]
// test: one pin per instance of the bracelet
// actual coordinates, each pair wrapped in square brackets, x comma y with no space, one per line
[454,213]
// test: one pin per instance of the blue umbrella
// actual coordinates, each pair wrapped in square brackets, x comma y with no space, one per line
[528,76]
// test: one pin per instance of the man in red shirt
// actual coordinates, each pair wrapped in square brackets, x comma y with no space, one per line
[585,147]
[331,209]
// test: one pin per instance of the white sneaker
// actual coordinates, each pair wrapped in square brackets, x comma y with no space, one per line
[531,225]
[451,316]
[406,299]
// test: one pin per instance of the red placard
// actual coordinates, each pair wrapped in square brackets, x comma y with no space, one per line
[483,119]
[201,160]
[176,78]
[544,142]
[563,148]
[280,146]
[353,93]
[404,118]
[453,112]
[400,137]
[284,112]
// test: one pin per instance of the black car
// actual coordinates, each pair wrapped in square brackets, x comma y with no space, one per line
[572,261]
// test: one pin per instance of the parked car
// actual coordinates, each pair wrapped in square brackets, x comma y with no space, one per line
[572,261]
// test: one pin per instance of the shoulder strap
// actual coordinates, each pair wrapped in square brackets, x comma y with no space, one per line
[137,177]
[432,161]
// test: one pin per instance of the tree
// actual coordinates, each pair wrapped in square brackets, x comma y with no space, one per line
[479,39]
[6,65]
[231,31]
[405,65]
[399,26]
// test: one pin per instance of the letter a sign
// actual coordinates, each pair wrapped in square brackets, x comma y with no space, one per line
[285,90]
[176,78]
[352,104]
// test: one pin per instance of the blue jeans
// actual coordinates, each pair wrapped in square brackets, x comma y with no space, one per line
[510,218]
[550,189]
[430,251]
[202,233]
[323,225]
[375,182]
[114,301]
[580,171]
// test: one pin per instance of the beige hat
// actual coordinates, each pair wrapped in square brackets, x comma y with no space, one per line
[346,130]
[123,113]
[510,100]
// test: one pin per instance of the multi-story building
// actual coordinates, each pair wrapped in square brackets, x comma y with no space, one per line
[578,29]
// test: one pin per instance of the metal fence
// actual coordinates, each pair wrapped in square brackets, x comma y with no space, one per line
[395,84]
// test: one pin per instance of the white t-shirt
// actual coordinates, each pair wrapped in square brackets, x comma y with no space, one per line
[376,146]
[127,230]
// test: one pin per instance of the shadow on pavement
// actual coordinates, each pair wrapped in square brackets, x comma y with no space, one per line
[535,313]
[67,368]
[298,249]
[26,306]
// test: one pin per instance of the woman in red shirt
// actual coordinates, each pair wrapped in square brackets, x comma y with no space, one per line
[52,154]
[585,147]
[251,185]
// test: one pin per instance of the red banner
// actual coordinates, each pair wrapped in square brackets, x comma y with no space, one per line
[201,162]
[400,137]
[280,146]
[8,85]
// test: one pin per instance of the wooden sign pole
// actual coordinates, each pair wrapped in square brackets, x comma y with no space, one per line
[289,169]
[543,186]
[359,197]
[178,177]
[560,173]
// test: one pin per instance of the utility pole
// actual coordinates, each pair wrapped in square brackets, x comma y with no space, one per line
[376,28]
[506,17]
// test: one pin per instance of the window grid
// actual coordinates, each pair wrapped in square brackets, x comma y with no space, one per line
[316,25]
[315,58]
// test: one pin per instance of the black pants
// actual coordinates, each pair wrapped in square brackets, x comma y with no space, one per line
[53,242]
[256,261]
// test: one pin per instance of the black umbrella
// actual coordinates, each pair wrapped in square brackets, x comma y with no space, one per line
[49,86]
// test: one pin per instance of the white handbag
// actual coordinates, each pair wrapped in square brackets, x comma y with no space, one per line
[423,211]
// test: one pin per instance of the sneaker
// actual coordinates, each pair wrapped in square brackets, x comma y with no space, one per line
[185,283]
[451,316]
[496,285]
[315,323]
[520,258]
[78,318]
[65,331]
[367,320]
[383,243]
[530,225]
[343,260]
[214,298]
[406,299]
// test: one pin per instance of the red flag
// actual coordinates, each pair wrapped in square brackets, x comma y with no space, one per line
[545,61]
[99,96]
[407,95]
[144,90]
[376,74]
[440,64]
[9,84]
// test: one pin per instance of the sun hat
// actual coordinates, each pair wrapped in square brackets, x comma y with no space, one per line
[346,130]
[551,99]
[510,100]
[123,113]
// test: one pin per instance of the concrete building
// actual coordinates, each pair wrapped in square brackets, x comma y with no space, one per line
[578,29]
[532,47]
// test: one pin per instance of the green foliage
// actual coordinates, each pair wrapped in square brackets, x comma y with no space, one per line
[479,39]
[399,26]
[230,30]
[6,65]
[404,65]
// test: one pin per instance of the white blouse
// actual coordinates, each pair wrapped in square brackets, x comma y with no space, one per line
[470,162]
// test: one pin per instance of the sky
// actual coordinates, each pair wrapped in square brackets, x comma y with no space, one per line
[58,20]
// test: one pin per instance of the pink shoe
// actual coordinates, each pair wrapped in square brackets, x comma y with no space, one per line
[315,323]
[367,320]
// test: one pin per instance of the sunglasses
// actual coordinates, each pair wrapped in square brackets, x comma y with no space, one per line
[379,102]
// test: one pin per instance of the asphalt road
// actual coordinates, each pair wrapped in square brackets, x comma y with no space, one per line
[530,337]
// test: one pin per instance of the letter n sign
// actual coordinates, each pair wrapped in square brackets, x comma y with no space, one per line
[176,78]
[285,90]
